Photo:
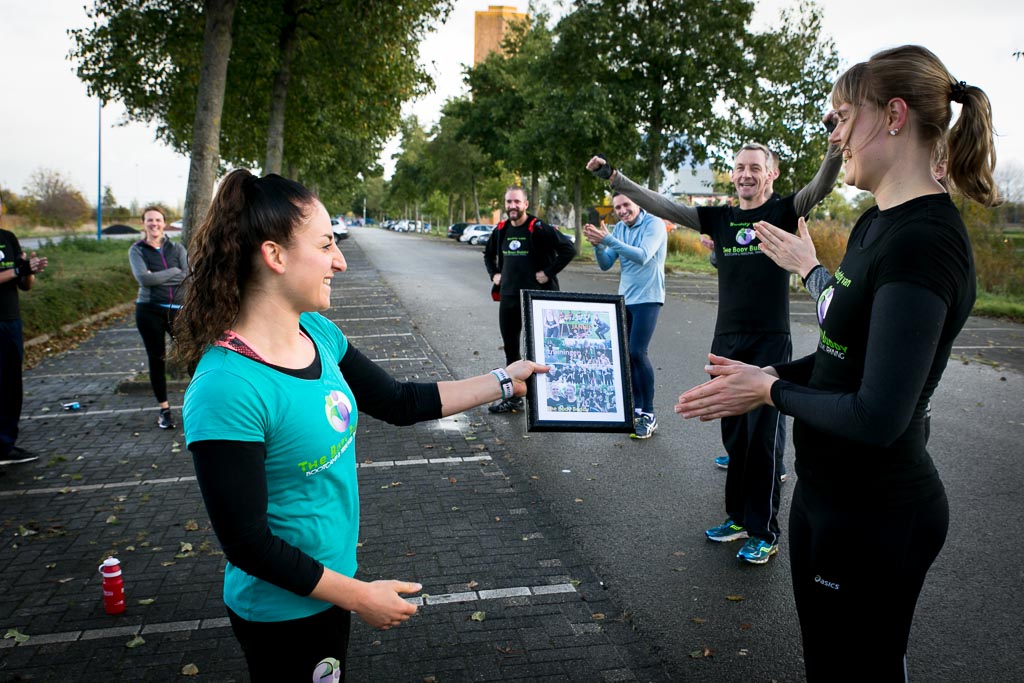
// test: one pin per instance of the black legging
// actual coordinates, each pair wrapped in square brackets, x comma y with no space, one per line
[154,322]
[289,650]
[510,322]
[858,566]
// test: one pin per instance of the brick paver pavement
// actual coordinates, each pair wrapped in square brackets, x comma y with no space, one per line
[505,596]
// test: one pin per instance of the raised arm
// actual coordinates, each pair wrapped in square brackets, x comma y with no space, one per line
[650,201]
[825,179]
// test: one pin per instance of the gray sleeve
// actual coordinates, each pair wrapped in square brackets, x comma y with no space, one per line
[655,203]
[822,183]
[146,279]
[816,281]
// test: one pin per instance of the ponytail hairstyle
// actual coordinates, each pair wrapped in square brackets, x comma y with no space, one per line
[914,74]
[246,212]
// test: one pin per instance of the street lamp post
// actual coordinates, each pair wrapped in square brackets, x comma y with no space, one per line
[99,172]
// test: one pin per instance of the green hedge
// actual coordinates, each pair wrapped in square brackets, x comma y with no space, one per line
[84,276]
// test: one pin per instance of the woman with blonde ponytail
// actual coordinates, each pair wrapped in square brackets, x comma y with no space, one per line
[869,512]
[270,418]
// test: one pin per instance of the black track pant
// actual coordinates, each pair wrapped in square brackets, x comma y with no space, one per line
[12,352]
[278,651]
[858,567]
[154,322]
[510,322]
[754,441]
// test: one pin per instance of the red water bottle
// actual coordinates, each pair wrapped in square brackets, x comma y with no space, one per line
[113,586]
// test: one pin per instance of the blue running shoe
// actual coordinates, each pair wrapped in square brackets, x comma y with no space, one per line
[644,426]
[726,531]
[756,551]
[722,461]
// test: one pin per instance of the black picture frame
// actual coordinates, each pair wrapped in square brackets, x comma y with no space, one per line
[582,336]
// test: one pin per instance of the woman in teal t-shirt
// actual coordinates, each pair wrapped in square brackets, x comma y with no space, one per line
[270,418]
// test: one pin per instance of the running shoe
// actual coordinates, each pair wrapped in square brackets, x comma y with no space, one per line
[165,421]
[17,456]
[644,426]
[722,461]
[783,477]
[756,551]
[727,531]
[508,405]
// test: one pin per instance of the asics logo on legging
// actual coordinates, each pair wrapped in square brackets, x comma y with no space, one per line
[826,584]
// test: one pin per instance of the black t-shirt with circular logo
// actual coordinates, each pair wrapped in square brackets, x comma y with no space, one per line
[753,292]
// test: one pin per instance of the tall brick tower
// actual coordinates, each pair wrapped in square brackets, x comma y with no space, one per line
[490,29]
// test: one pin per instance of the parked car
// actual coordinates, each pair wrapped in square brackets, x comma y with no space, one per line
[340,229]
[455,230]
[476,234]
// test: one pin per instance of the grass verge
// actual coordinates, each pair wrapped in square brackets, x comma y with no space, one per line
[84,276]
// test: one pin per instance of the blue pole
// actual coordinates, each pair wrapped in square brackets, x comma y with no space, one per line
[99,172]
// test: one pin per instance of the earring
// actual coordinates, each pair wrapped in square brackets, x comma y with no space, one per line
[894,131]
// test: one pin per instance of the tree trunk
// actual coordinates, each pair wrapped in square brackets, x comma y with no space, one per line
[577,199]
[476,201]
[654,165]
[202,172]
[534,191]
[279,94]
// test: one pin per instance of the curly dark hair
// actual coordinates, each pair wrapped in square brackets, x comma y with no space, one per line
[246,212]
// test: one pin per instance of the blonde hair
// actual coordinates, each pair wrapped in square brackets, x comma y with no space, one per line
[915,75]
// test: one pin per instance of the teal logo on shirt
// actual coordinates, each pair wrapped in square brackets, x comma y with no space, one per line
[339,410]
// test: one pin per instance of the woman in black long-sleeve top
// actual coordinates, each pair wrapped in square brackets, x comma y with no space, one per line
[862,545]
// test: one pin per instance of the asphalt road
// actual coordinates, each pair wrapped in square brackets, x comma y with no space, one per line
[645,504]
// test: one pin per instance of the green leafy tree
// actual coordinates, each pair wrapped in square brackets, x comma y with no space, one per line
[313,87]
[669,61]
[782,105]
[410,182]
[576,117]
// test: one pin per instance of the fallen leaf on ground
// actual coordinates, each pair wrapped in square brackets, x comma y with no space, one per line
[478,616]
[135,642]
[597,616]
[735,598]
[191,525]
[147,601]
[472,584]
[17,635]
[190,670]
[698,620]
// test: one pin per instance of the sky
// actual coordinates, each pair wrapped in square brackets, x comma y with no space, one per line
[47,121]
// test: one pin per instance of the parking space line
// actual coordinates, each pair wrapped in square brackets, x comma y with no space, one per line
[86,488]
[36,639]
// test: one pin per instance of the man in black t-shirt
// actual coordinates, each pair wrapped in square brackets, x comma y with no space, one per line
[17,271]
[752,325]
[522,252]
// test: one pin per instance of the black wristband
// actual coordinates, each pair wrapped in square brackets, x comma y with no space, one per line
[804,278]
[604,172]
[22,267]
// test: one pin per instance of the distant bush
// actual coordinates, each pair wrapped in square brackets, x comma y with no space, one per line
[830,238]
[84,276]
